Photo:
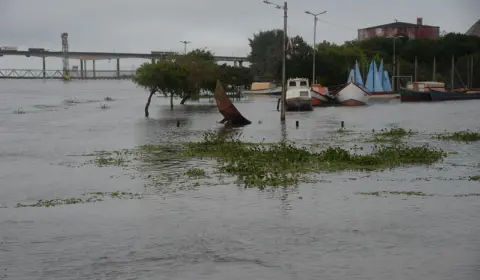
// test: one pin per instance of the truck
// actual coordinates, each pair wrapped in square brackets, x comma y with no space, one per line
[8,48]
[36,49]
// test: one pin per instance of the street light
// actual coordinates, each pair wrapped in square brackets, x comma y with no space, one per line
[395,62]
[284,82]
[315,19]
[185,43]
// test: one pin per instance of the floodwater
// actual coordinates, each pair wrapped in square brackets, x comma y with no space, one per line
[318,231]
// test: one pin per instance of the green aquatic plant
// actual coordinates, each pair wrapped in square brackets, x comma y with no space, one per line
[283,163]
[475,178]
[395,131]
[195,173]
[404,193]
[115,158]
[394,134]
[460,136]
[85,198]
[108,98]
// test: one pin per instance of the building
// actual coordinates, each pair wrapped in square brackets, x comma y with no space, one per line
[395,29]
[474,30]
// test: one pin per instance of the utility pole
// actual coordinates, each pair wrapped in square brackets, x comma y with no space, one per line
[65,59]
[185,43]
[315,19]
[284,54]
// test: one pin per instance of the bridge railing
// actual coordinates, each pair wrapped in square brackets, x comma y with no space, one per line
[58,74]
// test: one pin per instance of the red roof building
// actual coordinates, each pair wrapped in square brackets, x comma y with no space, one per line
[395,29]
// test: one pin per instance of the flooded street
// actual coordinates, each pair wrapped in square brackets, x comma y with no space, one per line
[217,231]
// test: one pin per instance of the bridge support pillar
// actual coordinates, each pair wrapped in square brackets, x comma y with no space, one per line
[93,68]
[85,69]
[44,72]
[118,67]
[240,63]
[81,68]
[235,63]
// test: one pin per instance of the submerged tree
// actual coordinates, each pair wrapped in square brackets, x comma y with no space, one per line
[182,76]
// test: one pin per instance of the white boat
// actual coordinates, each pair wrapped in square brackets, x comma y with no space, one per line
[352,95]
[265,91]
[298,96]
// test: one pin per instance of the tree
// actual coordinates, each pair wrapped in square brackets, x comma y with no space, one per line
[266,54]
[177,76]
[333,62]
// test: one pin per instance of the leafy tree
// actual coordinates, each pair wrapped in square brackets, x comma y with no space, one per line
[266,55]
[177,76]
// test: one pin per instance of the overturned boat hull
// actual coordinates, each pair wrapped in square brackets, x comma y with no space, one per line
[227,109]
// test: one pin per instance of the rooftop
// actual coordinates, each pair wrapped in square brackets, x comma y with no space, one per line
[400,24]
[474,30]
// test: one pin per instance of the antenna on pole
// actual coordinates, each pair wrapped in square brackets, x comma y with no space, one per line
[66,67]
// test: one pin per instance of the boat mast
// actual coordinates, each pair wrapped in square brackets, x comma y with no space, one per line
[453,70]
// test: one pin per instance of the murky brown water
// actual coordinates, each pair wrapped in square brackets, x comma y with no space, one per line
[223,231]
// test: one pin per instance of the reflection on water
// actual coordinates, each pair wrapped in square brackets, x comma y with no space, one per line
[218,230]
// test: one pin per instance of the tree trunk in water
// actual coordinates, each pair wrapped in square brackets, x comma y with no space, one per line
[152,92]
[171,101]
[185,98]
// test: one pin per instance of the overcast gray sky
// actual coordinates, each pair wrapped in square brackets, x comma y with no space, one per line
[223,26]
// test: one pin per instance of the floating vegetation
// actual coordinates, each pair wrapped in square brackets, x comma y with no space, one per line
[282,164]
[85,198]
[461,136]
[71,101]
[108,98]
[195,173]
[397,132]
[394,134]
[385,193]
[467,195]
[115,158]
[475,178]
[19,111]
[104,106]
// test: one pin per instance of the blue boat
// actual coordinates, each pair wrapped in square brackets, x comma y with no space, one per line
[373,82]
[437,95]
[358,75]
[385,80]
[387,86]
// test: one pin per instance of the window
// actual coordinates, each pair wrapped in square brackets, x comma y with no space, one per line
[292,84]
[303,83]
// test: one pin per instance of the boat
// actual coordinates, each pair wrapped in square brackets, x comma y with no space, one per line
[258,88]
[462,94]
[352,94]
[375,77]
[298,95]
[320,96]
[420,91]
[225,106]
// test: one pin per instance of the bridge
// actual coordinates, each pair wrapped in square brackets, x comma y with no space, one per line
[109,55]
[74,74]
[84,57]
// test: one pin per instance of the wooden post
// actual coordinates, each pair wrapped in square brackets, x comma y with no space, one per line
[434,74]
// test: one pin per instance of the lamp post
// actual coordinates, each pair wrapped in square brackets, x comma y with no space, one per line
[284,82]
[394,84]
[185,45]
[315,19]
